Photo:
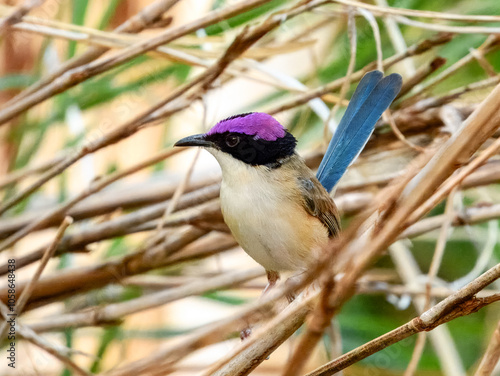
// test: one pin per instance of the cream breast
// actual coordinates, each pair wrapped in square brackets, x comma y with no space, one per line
[271,226]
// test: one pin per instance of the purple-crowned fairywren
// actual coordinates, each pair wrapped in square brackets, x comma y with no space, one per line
[279,212]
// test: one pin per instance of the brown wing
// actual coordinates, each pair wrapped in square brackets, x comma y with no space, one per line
[319,204]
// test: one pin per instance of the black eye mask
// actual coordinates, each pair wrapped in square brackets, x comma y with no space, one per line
[253,151]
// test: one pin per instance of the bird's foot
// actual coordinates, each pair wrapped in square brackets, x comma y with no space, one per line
[272,279]
[245,333]
[291,284]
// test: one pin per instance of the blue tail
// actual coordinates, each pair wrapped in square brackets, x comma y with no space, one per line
[371,98]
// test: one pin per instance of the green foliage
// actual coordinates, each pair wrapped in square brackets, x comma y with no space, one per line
[244,18]
[108,336]
[16,81]
[225,298]
[68,336]
[79,11]
[459,258]
[108,14]
[116,248]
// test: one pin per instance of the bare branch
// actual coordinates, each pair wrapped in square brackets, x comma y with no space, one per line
[26,293]
[56,352]
[114,312]
[461,303]
[491,356]
[18,13]
[83,72]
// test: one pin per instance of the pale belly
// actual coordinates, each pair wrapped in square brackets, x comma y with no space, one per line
[273,229]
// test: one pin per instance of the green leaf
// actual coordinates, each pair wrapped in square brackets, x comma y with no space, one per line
[68,336]
[108,336]
[225,298]
[79,9]
[99,91]
[16,81]
[108,14]
[155,333]
[95,92]
[117,248]
[243,18]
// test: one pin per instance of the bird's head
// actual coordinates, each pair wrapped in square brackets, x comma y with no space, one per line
[253,138]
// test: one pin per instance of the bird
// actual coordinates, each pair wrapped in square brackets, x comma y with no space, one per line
[278,210]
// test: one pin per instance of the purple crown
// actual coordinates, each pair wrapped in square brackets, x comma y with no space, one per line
[256,124]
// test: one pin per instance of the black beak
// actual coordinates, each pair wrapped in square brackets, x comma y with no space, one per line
[195,140]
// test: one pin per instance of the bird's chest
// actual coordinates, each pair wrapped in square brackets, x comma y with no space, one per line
[269,223]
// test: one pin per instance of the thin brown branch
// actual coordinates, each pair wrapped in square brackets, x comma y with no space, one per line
[475,131]
[417,354]
[23,173]
[197,208]
[96,186]
[56,352]
[62,284]
[437,258]
[487,67]
[490,44]
[469,216]
[414,291]
[423,116]
[352,34]
[18,13]
[164,358]
[138,221]
[456,179]
[178,191]
[448,28]
[264,341]
[462,303]
[81,73]
[48,254]
[413,50]
[419,13]
[135,24]
[387,116]
[421,74]
[491,356]
[458,92]
[202,82]
[114,312]
[116,198]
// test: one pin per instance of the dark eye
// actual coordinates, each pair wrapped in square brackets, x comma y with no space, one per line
[232,140]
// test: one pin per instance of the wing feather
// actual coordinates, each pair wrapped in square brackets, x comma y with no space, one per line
[318,203]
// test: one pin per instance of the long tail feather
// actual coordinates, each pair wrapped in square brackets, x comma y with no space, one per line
[372,97]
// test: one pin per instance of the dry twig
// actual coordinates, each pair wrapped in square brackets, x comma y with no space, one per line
[491,356]
[462,303]
[18,13]
[25,295]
